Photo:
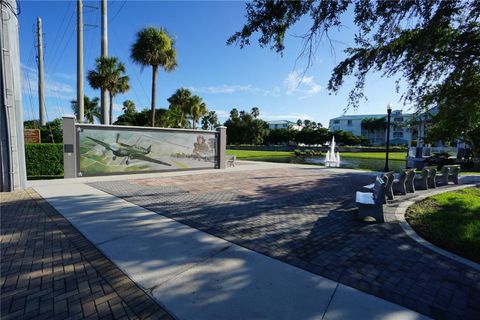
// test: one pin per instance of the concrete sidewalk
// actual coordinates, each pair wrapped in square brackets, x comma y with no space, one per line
[195,275]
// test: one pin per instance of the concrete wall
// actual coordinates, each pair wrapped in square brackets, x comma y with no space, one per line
[12,150]
[92,150]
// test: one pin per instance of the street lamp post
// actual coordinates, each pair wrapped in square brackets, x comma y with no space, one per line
[389,112]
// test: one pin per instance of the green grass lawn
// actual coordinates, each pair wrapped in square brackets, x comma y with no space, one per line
[450,220]
[245,154]
[374,155]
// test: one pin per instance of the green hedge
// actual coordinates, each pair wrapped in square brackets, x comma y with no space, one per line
[45,159]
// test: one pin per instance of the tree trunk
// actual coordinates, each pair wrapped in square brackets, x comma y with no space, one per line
[154,93]
[475,148]
[193,123]
[111,109]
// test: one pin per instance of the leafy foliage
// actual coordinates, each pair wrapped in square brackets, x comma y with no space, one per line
[128,106]
[424,41]
[432,45]
[198,109]
[51,132]
[458,112]
[374,124]
[210,121]
[166,118]
[281,136]
[244,128]
[91,109]
[180,99]
[189,105]
[310,136]
[154,47]
[109,75]
[45,159]
[308,124]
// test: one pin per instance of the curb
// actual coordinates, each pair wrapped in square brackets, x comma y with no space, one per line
[400,215]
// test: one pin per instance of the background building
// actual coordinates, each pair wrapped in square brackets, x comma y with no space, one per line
[373,127]
[282,124]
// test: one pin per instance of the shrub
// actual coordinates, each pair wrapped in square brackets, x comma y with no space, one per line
[307,153]
[44,159]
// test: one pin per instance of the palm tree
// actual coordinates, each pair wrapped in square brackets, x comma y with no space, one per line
[197,109]
[154,47]
[128,106]
[255,112]
[109,75]
[205,122]
[91,109]
[213,119]
[181,99]
[210,120]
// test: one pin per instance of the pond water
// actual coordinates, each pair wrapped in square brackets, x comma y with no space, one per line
[352,163]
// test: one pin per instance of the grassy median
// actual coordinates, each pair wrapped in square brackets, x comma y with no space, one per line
[450,220]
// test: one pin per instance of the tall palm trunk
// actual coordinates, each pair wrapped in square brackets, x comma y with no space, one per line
[181,120]
[110,116]
[154,91]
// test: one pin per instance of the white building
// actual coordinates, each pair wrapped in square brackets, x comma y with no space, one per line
[399,131]
[282,124]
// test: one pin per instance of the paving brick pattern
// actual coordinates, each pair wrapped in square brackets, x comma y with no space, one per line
[305,217]
[50,271]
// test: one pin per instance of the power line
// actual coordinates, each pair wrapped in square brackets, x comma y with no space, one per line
[122,48]
[61,26]
[55,52]
[32,117]
[118,11]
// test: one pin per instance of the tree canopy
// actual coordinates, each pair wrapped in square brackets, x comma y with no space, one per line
[128,106]
[374,124]
[91,109]
[244,128]
[431,45]
[154,47]
[109,74]
[210,120]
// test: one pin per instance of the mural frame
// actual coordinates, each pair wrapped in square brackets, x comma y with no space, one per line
[81,127]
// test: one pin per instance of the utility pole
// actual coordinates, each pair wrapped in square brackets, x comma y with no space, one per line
[41,99]
[104,95]
[80,94]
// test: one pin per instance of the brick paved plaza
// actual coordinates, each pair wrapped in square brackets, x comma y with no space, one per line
[50,271]
[305,216]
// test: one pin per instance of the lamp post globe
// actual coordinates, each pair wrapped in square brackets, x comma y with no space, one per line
[387,145]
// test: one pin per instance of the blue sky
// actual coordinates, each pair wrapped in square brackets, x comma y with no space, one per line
[225,76]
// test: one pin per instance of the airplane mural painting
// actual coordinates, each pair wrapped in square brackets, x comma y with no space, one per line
[127,151]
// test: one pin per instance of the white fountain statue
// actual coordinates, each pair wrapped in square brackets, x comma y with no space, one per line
[332,160]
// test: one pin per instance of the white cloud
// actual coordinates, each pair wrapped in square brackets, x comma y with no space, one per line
[306,86]
[228,89]
[52,88]
[222,113]
[117,107]
[286,116]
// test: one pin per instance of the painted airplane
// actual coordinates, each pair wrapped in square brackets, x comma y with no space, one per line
[128,152]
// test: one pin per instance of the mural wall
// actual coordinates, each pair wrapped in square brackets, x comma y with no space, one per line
[118,150]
